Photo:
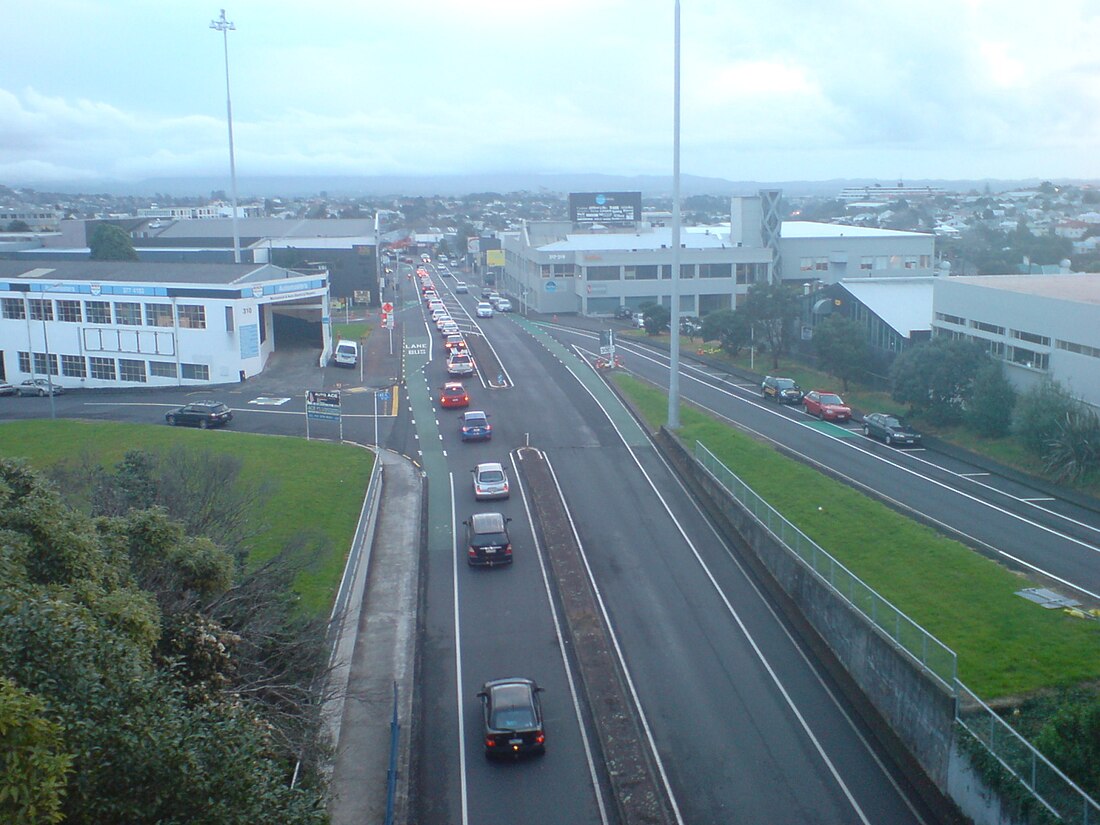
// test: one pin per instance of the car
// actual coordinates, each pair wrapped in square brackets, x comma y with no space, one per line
[453,395]
[624,312]
[494,296]
[444,272]
[487,540]
[40,387]
[486,291]
[460,363]
[782,390]
[512,715]
[827,406]
[454,341]
[461,288]
[346,354]
[490,481]
[449,328]
[484,309]
[6,388]
[504,305]
[890,429]
[475,426]
[202,414]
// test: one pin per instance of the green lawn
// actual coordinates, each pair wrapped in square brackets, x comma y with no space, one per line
[317,485]
[1006,646]
[355,331]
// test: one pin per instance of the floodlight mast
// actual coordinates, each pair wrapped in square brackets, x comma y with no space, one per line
[225,26]
[674,319]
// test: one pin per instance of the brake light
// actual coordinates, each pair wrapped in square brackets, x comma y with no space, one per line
[540,738]
[507,549]
[471,551]
[490,741]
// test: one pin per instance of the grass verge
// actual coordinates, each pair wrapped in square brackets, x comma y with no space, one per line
[351,332]
[316,486]
[1006,646]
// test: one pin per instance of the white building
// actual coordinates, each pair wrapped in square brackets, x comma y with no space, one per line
[829,252]
[1040,325]
[108,324]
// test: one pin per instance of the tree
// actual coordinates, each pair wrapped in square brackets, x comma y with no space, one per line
[936,379]
[1039,413]
[771,309]
[989,412]
[33,762]
[841,344]
[111,243]
[729,328]
[656,318]
[1071,740]
[18,226]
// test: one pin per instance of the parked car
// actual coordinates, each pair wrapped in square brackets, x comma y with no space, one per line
[453,394]
[490,481]
[461,288]
[783,390]
[890,429]
[201,414]
[513,717]
[460,363]
[475,426]
[624,312]
[40,387]
[346,354]
[827,406]
[487,540]
[484,309]
[6,388]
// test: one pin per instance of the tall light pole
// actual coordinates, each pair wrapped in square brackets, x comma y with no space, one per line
[674,319]
[224,26]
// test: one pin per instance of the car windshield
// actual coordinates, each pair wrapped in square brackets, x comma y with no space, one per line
[784,383]
[829,398]
[891,422]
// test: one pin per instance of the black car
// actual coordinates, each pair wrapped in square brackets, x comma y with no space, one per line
[889,429]
[783,390]
[624,312]
[486,291]
[201,414]
[487,540]
[513,717]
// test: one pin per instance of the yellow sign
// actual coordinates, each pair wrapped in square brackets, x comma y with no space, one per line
[494,257]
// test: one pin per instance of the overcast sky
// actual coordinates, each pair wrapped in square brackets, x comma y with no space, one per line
[771,91]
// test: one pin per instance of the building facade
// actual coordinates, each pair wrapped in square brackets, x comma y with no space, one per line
[1040,325]
[828,253]
[107,324]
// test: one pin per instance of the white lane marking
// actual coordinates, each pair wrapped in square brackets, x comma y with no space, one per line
[618,650]
[561,646]
[741,625]
[458,661]
[910,471]
[1039,498]
[973,475]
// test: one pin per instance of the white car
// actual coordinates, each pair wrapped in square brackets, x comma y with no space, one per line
[460,363]
[461,288]
[484,309]
[504,305]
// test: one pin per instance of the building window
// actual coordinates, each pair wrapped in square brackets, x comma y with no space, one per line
[867,262]
[895,262]
[162,369]
[1080,349]
[41,309]
[158,315]
[925,261]
[13,309]
[646,272]
[191,316]
[130,370]
[102,368]
[196,372]
[601,273]
[97,312]
[715,270]
[751,273]
[40,363]
[72,366]
[806,264]
[951,319]
[128,314]
[69,311]
[1029,358]
[984,327]
[821,264]
[24,362]
[1031,338]
[565,270]
[910,261]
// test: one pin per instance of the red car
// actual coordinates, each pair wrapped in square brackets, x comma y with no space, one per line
[827,406]
[453,394]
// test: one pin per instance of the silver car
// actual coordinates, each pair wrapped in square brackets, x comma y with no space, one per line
[490,481]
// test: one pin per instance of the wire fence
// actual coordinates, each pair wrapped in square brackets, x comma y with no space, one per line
[1052,789]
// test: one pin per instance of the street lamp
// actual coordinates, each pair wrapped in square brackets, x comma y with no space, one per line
[674,321]
[224,26]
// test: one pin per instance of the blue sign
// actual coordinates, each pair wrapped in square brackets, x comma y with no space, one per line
[250,341]
[384,395]
[551,286]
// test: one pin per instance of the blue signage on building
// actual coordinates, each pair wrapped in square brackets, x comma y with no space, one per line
[551,286]
[250,341]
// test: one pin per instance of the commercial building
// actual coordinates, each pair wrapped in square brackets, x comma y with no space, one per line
[109,324]
[828,253]
[1040,325]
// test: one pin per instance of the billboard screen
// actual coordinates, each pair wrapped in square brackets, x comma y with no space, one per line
[607,208]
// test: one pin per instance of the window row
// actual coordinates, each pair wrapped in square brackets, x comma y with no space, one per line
[870,262]
[1080,349]
[124,313]
[108,369]
[750,273]
[998,349]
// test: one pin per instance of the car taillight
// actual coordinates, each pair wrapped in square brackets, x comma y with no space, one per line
[465,429]
[490,741]
[465,398]
[540,738]
[507,549]
[488,427]
[472,551]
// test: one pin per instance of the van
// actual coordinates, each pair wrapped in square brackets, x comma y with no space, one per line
[347,354]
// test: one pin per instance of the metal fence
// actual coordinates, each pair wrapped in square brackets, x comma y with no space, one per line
[929,652]
[1052,788]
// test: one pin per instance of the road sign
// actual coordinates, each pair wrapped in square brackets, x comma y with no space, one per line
[384,395]
[387,307]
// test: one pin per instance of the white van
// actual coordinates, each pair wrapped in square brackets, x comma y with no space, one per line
[346,354]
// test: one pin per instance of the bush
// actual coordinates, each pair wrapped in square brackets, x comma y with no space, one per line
[990,410]
[1039,413]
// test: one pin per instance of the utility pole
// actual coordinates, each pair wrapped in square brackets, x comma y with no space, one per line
[224,26]
[674,321]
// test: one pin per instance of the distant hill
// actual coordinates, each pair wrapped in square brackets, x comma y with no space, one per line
[453,185]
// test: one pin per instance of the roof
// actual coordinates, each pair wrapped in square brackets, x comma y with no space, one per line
[1083,287]
[904,304]
[269,228]
[140,272]
[812,229]
[659,238]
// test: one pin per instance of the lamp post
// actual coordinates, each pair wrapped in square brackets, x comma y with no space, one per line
[674,320]
[225,26]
